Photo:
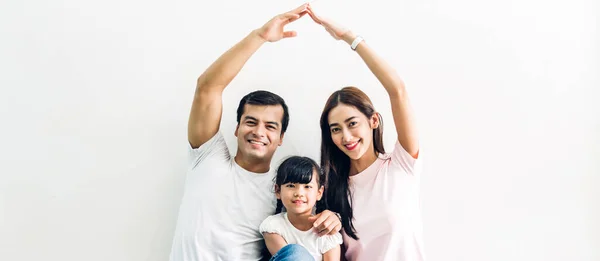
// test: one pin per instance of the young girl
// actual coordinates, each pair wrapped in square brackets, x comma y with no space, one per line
[298,187]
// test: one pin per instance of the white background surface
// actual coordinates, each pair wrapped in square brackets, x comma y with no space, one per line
[95,97]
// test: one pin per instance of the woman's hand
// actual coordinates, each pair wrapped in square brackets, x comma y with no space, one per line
[337,31]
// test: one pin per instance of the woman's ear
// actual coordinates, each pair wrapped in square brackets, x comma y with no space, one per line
[375,120]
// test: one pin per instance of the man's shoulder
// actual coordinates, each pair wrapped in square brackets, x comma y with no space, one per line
[214,151]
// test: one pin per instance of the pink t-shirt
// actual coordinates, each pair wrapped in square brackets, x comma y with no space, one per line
[387,211]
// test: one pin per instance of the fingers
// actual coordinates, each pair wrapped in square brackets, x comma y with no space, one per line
[321,217]
[295,14]
[312,15]
[288,34]
[299,9]
[290,17]
[336,229]
[327,228]
[327,223]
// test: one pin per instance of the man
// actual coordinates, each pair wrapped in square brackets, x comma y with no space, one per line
[225,199]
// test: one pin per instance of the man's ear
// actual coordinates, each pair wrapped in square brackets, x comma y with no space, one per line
[236,130]
[281,139]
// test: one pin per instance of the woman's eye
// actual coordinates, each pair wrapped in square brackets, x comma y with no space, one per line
[353,123]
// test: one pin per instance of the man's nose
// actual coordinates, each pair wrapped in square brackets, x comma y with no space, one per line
[259,130]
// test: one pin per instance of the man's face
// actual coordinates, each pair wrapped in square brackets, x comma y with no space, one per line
[259,131]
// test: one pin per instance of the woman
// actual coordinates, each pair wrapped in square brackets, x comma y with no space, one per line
[376,193]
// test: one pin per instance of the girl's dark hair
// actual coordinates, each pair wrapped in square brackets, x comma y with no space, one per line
[335,163]
[296,169]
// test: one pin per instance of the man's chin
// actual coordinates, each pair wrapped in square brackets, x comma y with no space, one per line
[256,155]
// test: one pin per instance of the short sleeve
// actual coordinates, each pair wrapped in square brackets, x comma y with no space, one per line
[401,157]
[214,148]
[271,224]
[329,242]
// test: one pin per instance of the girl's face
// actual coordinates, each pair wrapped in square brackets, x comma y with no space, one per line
[351,131]
[300,198]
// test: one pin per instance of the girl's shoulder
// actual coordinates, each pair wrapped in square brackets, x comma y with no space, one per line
[273,224]
[328,242]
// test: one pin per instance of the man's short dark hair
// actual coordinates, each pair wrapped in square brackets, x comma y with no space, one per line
[264,98]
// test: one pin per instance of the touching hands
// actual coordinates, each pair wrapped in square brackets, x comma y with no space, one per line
[274,30]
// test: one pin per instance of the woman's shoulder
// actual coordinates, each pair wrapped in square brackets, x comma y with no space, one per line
[402,159]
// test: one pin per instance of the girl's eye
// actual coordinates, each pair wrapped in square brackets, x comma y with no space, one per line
[334,130]
[290,185]
[353,123]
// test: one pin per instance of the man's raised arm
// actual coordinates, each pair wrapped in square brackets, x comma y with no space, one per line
[207,107]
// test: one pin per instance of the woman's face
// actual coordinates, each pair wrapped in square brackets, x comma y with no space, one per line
[351,131]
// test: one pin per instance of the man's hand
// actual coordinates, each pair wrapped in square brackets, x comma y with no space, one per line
[326,222]
[273,31]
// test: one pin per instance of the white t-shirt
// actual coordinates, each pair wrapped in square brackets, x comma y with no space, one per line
[316,246]
[387,211]
[222,207]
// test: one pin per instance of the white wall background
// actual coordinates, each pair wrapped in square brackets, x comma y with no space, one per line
[95,97]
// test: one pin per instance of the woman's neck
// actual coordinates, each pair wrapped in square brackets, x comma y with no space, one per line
[359,165]
[300,221]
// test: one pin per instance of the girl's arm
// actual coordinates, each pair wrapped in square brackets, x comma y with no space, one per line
[401,109]
[274,242]
[333,254]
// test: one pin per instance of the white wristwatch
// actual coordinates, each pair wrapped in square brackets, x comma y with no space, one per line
[356,41]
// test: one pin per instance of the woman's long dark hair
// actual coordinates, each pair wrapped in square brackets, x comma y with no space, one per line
[335,163]
[296,169]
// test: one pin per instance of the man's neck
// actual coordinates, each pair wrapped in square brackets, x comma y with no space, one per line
[255,166]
